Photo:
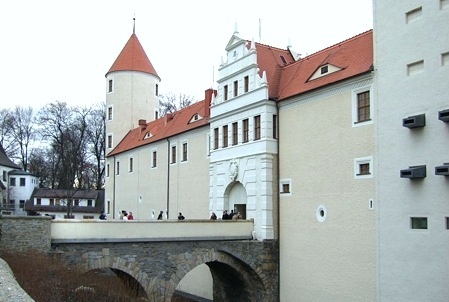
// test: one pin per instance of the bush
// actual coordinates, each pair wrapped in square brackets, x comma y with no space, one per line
[46,278]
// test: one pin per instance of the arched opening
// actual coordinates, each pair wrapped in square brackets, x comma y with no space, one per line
[235,199]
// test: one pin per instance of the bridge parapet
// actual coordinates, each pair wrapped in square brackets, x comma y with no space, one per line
[77,231]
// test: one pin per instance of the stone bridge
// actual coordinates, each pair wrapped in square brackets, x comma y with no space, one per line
[242,269]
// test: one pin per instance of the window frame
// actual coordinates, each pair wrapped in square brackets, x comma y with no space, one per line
[110,113]
[235,133]
[185,152]
[246,80]
[225,92]
[130,164]
[257,128]
[216,138]
[22,182]
[355,108]
[236,88]
[173,157]
[283,184]
[225,136]
[154,159]
[363,161]
[110,85]
[110,141]
[245,130]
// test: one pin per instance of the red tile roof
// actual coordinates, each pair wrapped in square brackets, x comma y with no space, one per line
[354,56]
[167,126]
[133,58]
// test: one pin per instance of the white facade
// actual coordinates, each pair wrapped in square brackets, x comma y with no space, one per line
[412,80]
[243,158]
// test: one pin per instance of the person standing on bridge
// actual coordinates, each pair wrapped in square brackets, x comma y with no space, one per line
[213,216]
[180,216]
[160,215]
[130,216]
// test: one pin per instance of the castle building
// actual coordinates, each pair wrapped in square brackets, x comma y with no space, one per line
[340,156]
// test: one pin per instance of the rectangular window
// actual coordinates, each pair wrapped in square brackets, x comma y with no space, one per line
[110,85]
[324,69]
[88,217]
[118,168]
[109,113]
[156,115]
[107,170]
[413,15]
[225,92]
[275,126]
[38,201]
[110,141]
[236,88]
[52,202]
[235,133]
[215,138]
[445,59]
[89,203]
[225,136]
[257,127]
[285,186]
[108,210]
[173,154]
[157,89]
[154,159]
[447,223]
[4,175]
[363,106]
[364,169]
[76,202]
[184,152]
[246,83]
[12,181]
[57,201]
[415,68]
[418,223]
[22,181]
[21,204]
[131,165]
[245,130]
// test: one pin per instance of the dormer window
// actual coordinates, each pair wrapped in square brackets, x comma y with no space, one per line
[324,69]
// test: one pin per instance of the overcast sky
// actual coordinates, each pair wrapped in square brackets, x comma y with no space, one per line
[61,50]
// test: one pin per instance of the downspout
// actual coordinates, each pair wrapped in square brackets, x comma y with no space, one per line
[278,134]
[113,192]
[168,177]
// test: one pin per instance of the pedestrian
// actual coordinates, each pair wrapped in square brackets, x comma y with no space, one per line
[180,216]
[225,215]
[160,215]
[103,216]
[130,216]
[213,216]
[125,216]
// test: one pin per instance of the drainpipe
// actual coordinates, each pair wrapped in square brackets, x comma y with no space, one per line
[168,178]
[113,191]
[278,201]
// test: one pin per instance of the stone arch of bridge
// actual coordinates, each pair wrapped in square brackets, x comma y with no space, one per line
[233,277]
[120,266]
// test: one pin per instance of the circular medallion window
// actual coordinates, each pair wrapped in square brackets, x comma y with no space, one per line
[321,213]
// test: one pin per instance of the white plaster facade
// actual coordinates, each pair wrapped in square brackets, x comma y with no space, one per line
[20,187]
[412,78]
[243,160]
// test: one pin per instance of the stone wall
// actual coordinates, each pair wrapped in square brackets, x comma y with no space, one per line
[25,233]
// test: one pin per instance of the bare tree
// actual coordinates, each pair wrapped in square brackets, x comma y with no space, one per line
[170,103]
[22,132]
[5,132]
[96,139]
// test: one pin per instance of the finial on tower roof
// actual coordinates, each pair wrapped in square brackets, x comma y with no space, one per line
[236,31]
[134,24]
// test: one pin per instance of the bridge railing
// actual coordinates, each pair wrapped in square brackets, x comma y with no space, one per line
[77,231]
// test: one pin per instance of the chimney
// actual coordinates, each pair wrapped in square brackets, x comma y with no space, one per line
[142,124]
[209,95]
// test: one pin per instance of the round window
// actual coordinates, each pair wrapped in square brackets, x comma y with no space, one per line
[321,213]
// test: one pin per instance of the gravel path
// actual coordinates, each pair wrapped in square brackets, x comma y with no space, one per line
[10,290]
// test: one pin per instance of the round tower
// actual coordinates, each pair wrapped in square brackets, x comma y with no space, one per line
[131,92]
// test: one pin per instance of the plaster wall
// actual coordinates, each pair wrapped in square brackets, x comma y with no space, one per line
[412,263]
[329,257]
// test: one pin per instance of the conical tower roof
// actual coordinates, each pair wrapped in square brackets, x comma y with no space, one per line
[133,58]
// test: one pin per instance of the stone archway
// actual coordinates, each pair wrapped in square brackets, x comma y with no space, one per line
[233,279]
[235,198]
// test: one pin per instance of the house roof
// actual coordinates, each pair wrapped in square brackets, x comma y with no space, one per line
[21,172]
[169,125]
[97,195]
[133,58]
[5,161]
[353,57]
[272,60]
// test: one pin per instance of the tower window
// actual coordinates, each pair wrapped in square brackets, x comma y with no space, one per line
[109,113]
[225,92]
[184,152]
[225,136]
[110,85]
[235,133]
[236,88]
[246,83]
[257,127]
[324,69]
[363,106]
[216,138]
[173,154]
